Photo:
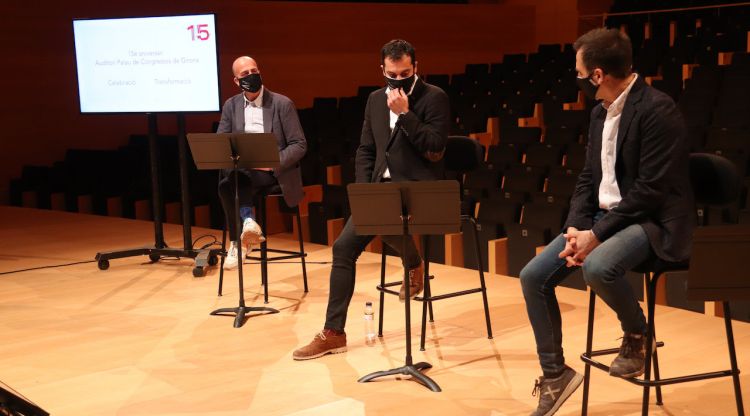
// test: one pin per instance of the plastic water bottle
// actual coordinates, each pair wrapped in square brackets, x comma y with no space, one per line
[369,324]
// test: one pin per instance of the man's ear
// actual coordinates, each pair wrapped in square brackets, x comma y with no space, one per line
[599,74]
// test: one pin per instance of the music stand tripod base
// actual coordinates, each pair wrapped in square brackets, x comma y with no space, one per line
[215,151]
[407,370]
[405,208]
[241,311]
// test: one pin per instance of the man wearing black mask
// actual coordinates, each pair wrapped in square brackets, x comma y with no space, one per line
[403,139]
[632,202]
[258,110]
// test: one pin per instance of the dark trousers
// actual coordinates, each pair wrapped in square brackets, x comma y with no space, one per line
[346,251]
[252,183]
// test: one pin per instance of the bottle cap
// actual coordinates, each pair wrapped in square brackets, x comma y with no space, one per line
[368,303]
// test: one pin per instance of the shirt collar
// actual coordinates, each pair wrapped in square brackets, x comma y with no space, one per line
[616,107]
[257,102]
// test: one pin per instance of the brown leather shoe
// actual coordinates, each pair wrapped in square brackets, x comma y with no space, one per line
[416,283]
[325,342]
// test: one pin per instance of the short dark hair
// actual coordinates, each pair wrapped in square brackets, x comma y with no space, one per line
[396,49]
[608,49]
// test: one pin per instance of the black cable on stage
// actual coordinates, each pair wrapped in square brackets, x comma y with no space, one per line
[47,267]
[52,266]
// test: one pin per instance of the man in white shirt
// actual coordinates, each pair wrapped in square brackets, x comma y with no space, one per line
[632,203]
[256,109]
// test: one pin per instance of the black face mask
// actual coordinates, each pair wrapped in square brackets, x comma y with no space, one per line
[588,87]
[405,84]
[251,83]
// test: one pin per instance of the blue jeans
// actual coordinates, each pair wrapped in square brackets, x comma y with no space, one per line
[604,272]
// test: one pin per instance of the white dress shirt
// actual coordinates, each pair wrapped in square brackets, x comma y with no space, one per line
[609,192]
[254,113]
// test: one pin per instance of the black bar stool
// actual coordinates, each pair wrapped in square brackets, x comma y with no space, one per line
[263,258]
[462,155]
[715,182]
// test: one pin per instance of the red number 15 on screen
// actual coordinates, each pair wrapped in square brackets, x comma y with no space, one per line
[201,33]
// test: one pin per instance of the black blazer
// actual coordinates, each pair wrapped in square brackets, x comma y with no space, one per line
[423,129]
[280,118]
[651,171]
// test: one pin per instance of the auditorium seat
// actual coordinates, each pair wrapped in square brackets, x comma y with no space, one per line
[575,156]
[334,205]
[522,136]
[494,217]
[504,155]
[523,178]
[544,155]
[561,135]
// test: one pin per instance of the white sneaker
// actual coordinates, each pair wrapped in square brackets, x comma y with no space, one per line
[230,262]
[251,233]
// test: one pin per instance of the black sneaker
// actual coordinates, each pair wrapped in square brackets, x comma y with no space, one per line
[554,391]
[631,361]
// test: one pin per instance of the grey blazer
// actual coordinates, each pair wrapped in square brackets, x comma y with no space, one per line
[280,118]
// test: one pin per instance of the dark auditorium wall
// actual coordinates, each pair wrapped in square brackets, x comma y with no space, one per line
[304,50]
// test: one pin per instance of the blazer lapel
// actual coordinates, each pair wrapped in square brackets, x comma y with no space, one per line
[629,111]
[384,120]
[595,143]
[267,111]
[418,90]
[239,113]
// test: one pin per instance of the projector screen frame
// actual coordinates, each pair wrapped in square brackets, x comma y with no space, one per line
[217,53]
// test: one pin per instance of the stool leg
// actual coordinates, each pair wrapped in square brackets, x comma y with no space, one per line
[657,377]
[651,302]
[224,256]
[382,294]
[589,342]
[263,250]
[481,278]
[428,289]
[427,293]
[426,304]
[733,359]
[301,248]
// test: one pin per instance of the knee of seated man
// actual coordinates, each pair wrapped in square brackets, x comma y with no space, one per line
[530,277]
[342,250]
[598,270]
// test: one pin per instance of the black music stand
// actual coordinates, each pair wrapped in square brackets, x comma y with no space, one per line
[405,208]
[224,151]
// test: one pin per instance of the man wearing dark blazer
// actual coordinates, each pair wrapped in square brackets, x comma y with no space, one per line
[403,139]
[258,110]
[632,202]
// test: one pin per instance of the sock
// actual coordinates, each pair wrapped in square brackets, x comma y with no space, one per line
[246,212]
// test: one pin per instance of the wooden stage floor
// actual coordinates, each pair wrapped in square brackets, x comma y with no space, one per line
[138,339]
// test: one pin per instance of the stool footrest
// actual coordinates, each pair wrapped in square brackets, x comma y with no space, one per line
[289,255]
[448,295]
[385,290]
[608,351]
[661,382]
